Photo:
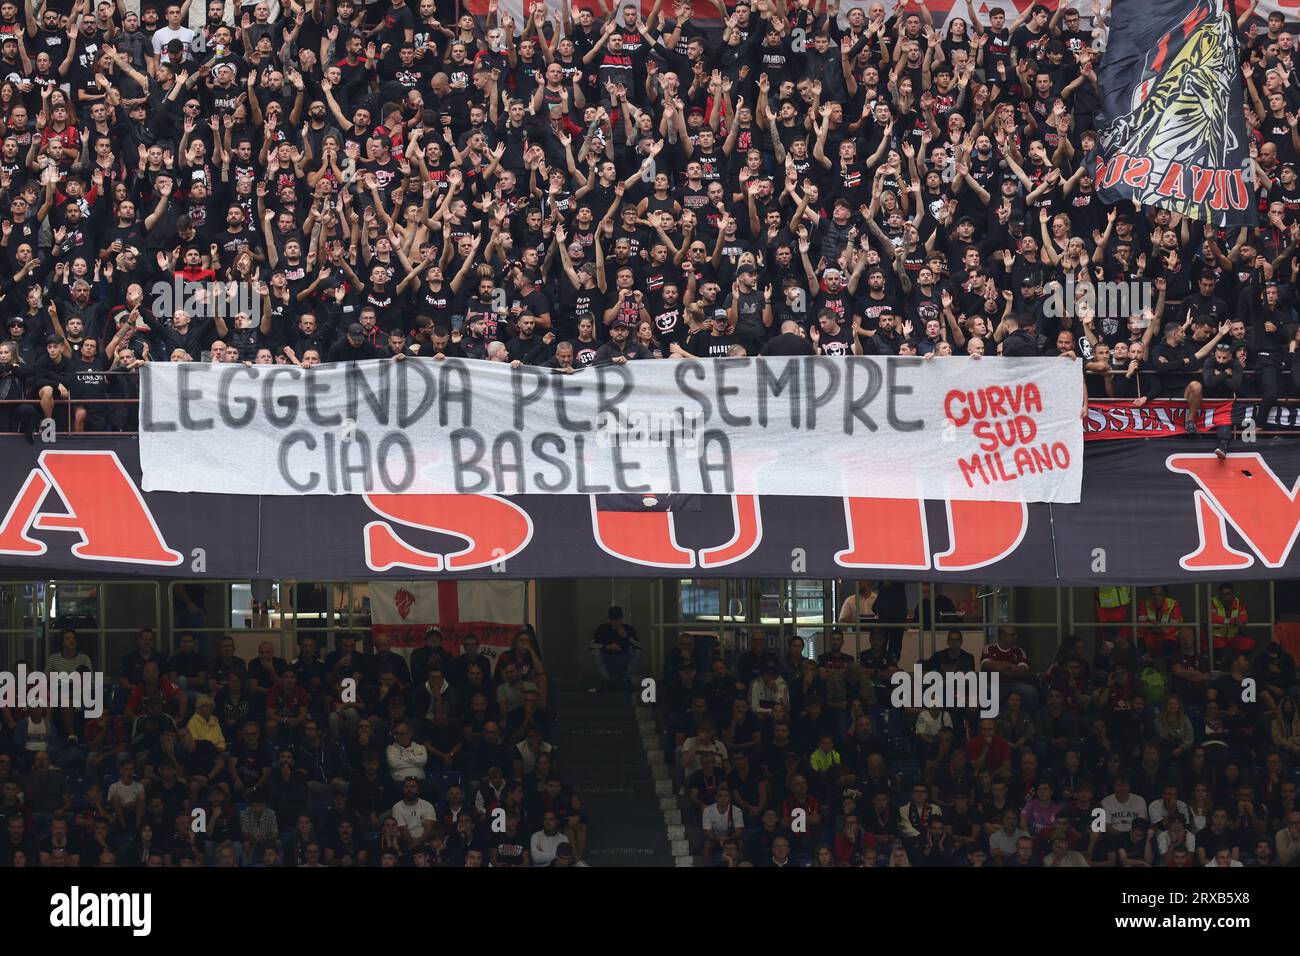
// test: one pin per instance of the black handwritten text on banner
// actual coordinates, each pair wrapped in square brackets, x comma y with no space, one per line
[822,427]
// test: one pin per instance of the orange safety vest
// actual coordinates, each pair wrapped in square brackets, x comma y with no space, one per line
[1170,613]
[1229,622]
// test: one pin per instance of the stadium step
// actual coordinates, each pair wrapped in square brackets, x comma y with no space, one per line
[603,757]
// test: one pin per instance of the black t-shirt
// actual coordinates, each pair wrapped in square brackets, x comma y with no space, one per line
[838,343]
[200,761]
[250,761]
[705,344]
[787,343]
[510,849]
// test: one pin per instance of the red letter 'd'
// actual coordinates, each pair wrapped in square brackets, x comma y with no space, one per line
[885,533]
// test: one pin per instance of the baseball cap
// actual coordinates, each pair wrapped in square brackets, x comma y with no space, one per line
[746,270]
[16,320]
[1223,347]
[827,273]
[355,330]
[53,339]
[962,219]
[618,324]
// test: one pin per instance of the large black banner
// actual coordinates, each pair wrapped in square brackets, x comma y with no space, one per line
[1173,132]
[1152,512]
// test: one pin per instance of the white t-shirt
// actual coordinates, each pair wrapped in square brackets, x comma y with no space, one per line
[127,794]
[719,825]
[167,34]
[412,816]
[1120,816]
[930,725]
[38,734]
[692,749]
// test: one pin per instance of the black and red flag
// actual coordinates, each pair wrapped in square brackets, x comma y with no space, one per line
[1173,133]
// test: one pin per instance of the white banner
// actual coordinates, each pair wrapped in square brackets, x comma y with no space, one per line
[1004,429]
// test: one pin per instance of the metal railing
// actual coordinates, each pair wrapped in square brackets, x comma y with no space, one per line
[66,409]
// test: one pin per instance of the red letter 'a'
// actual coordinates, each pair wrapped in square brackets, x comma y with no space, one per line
[885,533]
[101,504]
[13,530]
[495,528]
[1245,491]
[1214,553]
[981,533]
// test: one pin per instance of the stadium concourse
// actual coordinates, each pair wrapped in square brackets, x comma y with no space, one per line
[289,184]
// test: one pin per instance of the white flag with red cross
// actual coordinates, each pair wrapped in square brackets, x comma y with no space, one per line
[492,610]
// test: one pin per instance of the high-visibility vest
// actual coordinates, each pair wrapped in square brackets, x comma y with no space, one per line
[1228,622]
[1147,614]
[1113,596]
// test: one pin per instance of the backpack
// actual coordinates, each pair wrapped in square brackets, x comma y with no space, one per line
[1155,686]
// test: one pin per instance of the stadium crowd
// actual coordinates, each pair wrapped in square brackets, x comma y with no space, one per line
[304,183]
[1132,753]
[361,757]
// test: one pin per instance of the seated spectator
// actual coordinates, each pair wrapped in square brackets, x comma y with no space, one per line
[204,725]
[406,758]
[543,844]
[616,652]
[769,690]
[1012,665]
[415,816]
[722,820]
[258,827]
[989,751]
